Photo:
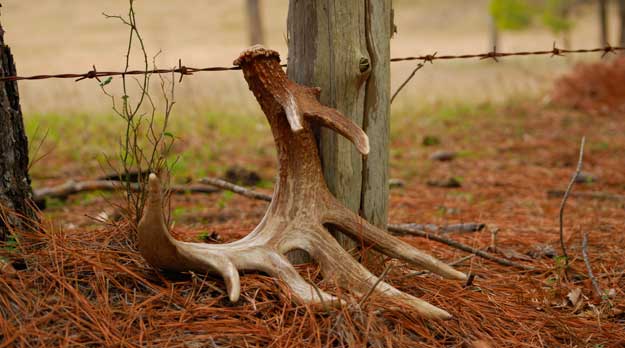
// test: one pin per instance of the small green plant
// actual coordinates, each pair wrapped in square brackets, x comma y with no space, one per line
[551,280]
[226,196]
[431,140]
[203,236]
[467,196]
[10,245]
[178,212]
[559,260]
[206,236]
[599,146]
[266,184]
[146,141]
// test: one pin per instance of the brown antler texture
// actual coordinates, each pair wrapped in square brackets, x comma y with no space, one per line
[301,207]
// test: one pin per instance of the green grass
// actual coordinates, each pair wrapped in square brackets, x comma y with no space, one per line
[209,142]
[453,125]
[204,144]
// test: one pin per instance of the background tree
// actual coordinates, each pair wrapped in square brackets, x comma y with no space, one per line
[555,15]
[510,14]
[343,47]
[521,14]
[255,22]
[493,33]
[603,23]
[621,12]
[15,192]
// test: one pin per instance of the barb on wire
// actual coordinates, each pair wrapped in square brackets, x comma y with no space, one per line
[555,51]
[93,74]
[492,54]
[607,49]
[184,70]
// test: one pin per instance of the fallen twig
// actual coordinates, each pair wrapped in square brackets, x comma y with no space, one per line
[565,197]
[236,189]
[72,187]
[463,227]
[380,279]
[130,176]
[590,195]
[404,229]
[593,280]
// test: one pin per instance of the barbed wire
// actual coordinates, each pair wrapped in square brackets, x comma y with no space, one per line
[185,71]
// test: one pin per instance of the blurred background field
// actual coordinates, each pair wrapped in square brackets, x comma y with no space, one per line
[71,36]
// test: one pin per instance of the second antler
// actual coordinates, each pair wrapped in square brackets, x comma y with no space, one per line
[301,207]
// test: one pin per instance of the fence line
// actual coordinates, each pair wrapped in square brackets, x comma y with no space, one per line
[184,70]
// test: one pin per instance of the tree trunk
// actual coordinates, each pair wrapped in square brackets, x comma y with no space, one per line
[565,11]
[255,22]
[343,47]
[15,209]
[603,23]
[621,12]
[493,33]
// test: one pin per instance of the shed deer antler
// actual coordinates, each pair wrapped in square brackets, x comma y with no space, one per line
[300,208]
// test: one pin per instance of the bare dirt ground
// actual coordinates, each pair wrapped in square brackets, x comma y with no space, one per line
[84,284]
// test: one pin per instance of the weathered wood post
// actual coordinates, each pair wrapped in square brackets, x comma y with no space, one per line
[15,191]
[621,15]
[603,23]
[343,47]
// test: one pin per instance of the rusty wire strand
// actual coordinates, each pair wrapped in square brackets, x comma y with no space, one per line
[185,70]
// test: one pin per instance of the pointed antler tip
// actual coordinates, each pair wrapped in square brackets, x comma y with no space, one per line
[365,148]
[154,184]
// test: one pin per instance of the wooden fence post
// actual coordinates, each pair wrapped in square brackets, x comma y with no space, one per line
[343,47]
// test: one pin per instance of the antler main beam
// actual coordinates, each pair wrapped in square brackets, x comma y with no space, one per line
[302,205]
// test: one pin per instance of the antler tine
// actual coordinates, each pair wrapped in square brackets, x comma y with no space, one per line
[336,263]
[161,250]
[333,119]
[382,241]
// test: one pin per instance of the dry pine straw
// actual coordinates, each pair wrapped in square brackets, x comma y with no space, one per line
[91,288]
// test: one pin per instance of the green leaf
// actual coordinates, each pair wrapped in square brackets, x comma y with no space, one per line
[168,134]
[106,82]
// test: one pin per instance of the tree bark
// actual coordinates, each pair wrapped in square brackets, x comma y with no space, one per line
[621,12]
[343,47]
[603,23]
[16,210]
[255,22]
